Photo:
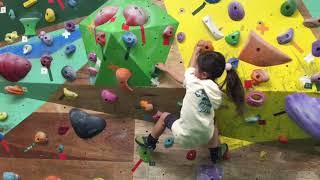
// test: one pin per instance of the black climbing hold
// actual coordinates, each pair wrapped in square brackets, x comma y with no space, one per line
[86,125]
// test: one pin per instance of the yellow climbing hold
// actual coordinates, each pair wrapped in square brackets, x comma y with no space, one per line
[69,94]
[3,116]
[263,156]
[98,179]
[50,15]
[29,3]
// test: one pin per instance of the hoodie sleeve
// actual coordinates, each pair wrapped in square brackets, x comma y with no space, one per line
[189,77]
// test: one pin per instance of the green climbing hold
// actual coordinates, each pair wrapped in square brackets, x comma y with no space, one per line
[288,8]
[233,38]
[30,25]
[145,154]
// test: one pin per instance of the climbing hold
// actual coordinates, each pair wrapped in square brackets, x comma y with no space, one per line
[144,154]
[104,15]
[260,53]
[315,78]
[191,155]
[69,94]
[50,15]
[11,14]
[286,37]
[14,68]
[11,37]
[168,32]
[92,57]
[206,46]
[168,142]
[70,26]
[101,38]
[98,178]
[46,60]
[109,96]
[312,22]
[70,50]
[29,3]
[92,71]
[155,72]
[252,119]
[62,130]
[217,34]
[41,34]
[181,36]
[145,105]
[283,139]
[135,16]
[212,1]
[263,155]
[86,125]
[10,176]
[210,172]
[68,73]
[236,11]
[1,137]
[259,76]
[52,178]
[304,111]
[41,138]
[255,98]
[123,75]
[72,3]
[27,49]
[288,8]
[29,25]
[234,62]
[3,116]
[233,38]
[46,38]
[60,148]
[129,39]
[15,90]
[316,48]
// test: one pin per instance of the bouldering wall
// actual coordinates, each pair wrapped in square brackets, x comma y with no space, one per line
[81,8]
[37,82]
[151,47]
[289,66]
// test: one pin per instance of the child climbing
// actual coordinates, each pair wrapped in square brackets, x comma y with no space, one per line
[195,125]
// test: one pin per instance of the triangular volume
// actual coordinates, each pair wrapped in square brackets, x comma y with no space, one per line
[260,53]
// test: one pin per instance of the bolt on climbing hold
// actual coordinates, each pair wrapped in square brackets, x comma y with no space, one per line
[233,38]
[3,116]
[11,37]
[259,76]
[168,142]
[236,11]
[130,40]
[29,25]
[52,178]
[191,155]
[288,8]
[316,48]
[60,148]
[263,155]
[167,34]
[50,15]
[283,139]
[72,3]
[10,176]
[27,49]
[92,57]
[29,3]
[255,98]
[109,96]
[234,62]
[70,26]
[69,94]
[312,22]
[46,61]
[70,50]
[253,119]
[205,46]
[145,105]
[315,78]
[181,36]
[12,14]
[101,38]
[68,73]
[285,37]
[217,34]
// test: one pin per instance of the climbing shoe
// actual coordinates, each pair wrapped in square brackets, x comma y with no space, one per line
[219,153]
[143,142]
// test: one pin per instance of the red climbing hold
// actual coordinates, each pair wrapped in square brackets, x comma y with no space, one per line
[283,139]
[62,130]
[191,155]
[248,84]
[62,156]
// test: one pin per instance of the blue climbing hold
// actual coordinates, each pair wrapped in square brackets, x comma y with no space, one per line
[72,3]
[1,136]
[234,62]
[168,142]
[10,176]
[212,1]
[70,50]
[129,39]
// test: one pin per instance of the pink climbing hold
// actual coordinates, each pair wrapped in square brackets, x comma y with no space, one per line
[255,99]
[167,34]
[14,68]
[105,15]
[191,155]
[135,16]
[101,38]
[109,96]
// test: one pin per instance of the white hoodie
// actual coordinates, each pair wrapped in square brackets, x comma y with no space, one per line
[196,124]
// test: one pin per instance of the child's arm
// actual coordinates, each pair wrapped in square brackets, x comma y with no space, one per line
[178,77]
[195,54]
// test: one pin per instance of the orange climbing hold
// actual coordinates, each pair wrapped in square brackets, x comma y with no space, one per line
[123,75]
[262,27]
[283,139]
[145,105]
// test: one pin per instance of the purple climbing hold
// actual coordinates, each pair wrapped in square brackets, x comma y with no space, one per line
[46,60]
[316,48]
[47,39]
[286,37]
[236,11]
[70,26]
[109,96]
[208,172]
[316,78]
[181,36]
[92,57]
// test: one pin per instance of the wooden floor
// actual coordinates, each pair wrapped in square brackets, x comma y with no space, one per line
[112,153]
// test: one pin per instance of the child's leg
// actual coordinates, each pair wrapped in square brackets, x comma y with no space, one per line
[215,140]
[217,150]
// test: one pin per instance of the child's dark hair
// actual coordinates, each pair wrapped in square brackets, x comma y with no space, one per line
[213,63]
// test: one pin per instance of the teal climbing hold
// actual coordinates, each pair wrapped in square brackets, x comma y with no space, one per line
[168,142]
[233,38]
[288,8]
[11,14]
